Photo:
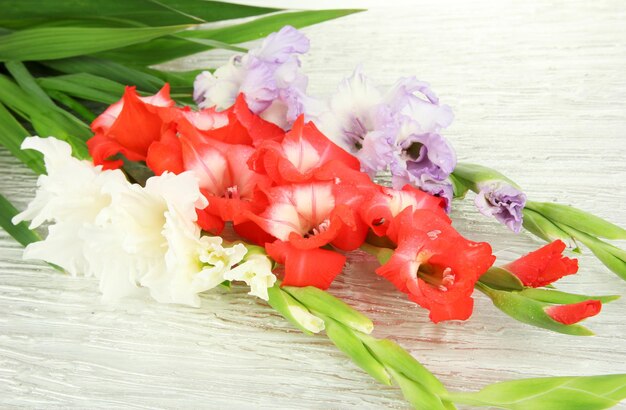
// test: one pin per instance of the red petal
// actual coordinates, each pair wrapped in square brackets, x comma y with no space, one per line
[166,155]
[209,222]
[312,267]
[543,266]
[574,313]
[258,129]
[250,231]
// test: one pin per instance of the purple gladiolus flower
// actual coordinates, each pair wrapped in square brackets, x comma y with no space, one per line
[269,77]
[502,201]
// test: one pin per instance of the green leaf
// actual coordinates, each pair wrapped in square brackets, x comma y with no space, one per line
[111,70]
[550,393]
[395,357]
[72,104]
[611,256]
[11,136]
[323,302]
[27,82]
[24,13]
[416,394]
[529,311]
[86,86]
[20,232]
[293,311]
[50,43]
[563,298]
[578,219]
[501,279]
[543,228]
[346,340]
[166,49]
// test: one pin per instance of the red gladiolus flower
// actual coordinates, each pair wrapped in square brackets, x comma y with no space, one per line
[305,217]
[387,203]
[574,313]
[302,153]
[129,127]
[224,179]
[543,266]
[435,265]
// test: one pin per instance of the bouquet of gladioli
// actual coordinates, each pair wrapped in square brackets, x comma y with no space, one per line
[266,185]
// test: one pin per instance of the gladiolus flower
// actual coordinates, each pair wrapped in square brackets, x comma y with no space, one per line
[543,266]
[435,265]
[129,127]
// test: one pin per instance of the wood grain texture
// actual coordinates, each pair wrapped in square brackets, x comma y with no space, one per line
[539,92]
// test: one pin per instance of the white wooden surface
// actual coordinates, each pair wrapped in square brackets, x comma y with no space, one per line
[539,92]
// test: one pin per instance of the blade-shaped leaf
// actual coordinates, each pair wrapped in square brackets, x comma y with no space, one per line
[44,118]
[166,49]
[20,232]
[549,393]
[27,82]
[611,256]
[72,104]
[86,86]
[578,219]
[539,225]
[11,136]
[50,43]
[109,69]
[563,298]
[23,13]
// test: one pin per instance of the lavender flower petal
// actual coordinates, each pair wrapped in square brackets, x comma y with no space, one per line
[502,201]
[278,47]
[428,154]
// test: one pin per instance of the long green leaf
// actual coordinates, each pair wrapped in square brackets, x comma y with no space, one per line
[166,49]
[611,256]
[25,80]
[86,86]
[46,120]
[108,69]
[563,298]
[578,219]
[550,393]
[20,232]
[25,13]
[53,43]
[11,136]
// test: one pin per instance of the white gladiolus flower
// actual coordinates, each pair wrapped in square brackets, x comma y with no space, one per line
[71,197]
[129,236]
[256,271]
